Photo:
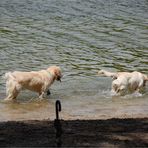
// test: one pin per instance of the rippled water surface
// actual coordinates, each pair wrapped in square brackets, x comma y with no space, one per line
[81,36]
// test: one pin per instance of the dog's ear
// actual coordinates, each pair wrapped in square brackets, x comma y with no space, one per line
[145,77]
[58,74]
[101,71]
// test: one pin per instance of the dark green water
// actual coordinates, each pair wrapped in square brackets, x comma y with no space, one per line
[81,36]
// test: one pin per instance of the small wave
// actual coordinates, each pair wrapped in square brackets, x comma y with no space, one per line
[109,94]
[135,94]
[105,93]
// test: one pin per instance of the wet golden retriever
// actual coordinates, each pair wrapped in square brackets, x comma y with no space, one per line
[125,82]
[37,81]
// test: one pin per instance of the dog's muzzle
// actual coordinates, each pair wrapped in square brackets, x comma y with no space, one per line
[59,78]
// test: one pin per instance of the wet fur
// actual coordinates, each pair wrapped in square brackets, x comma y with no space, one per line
[125,82]
[37,81]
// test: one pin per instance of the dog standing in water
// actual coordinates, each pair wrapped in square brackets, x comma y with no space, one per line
[125,82]
[37,81]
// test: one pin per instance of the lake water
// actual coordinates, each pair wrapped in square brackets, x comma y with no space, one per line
[80,36]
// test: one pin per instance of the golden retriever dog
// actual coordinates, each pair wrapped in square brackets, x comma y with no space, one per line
[125,82]
[37,81]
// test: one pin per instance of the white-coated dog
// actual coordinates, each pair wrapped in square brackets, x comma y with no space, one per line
[126,82]
[37,81]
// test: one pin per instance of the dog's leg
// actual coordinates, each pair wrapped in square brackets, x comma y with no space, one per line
[11,91]
[12,95]
[42,95]
[44,92]
[122,91]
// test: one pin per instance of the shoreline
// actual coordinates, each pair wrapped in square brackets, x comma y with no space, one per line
[115,132]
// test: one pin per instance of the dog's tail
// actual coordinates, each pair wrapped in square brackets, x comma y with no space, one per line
[107,74]
[8,75]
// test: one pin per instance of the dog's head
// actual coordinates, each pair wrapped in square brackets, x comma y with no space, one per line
[108,74]
[56,71]
[101,72]
[145,79]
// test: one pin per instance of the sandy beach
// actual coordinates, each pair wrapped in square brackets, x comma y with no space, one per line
[76,133]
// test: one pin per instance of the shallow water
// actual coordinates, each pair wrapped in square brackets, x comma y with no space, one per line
[80,36]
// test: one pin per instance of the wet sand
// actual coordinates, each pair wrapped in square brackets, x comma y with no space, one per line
[131,132]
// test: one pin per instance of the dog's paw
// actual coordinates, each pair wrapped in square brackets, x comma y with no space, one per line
[8,100]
